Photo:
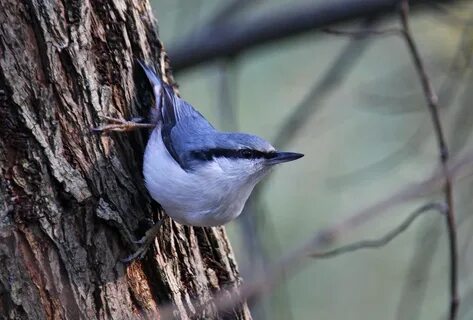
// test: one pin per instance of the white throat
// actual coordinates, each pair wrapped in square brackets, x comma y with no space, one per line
[212,195]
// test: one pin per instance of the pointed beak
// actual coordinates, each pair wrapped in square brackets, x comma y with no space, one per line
[281,157]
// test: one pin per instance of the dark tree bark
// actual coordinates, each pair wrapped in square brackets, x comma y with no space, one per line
[69,199]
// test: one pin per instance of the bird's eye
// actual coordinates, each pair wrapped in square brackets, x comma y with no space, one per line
[245,153]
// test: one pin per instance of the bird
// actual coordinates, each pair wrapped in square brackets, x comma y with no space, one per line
[199,175]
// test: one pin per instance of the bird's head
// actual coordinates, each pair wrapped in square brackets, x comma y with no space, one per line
[242,156]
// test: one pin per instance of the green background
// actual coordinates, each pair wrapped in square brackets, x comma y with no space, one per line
[369,137]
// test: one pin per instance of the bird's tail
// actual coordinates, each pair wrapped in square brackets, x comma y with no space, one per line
[162,91]
[150,74]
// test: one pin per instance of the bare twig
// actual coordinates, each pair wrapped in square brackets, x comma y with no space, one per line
[432,102]
[458,68]
[415,285]
[466,295]
[363,32]
[373,244]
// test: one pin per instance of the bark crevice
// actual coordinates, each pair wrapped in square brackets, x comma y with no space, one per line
[70,200]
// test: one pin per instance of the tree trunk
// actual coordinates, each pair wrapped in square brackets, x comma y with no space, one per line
[70,200]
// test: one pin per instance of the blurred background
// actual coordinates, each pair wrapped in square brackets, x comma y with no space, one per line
[354,106]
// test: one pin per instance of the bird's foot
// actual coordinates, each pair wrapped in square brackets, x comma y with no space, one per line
[144,242]
[121,125]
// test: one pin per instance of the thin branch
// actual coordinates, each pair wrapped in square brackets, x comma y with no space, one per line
[448,91]
[373,244]
[415,285]
[363,32]
[432,102]
[234,36]
[429,93]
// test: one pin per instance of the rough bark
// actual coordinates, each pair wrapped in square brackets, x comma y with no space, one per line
[69,199]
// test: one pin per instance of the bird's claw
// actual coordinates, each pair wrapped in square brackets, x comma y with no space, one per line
[144,243]
[138,254]
[121,125]
[140,241]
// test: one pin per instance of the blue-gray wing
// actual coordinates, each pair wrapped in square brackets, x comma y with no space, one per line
[183,129]
[190,132]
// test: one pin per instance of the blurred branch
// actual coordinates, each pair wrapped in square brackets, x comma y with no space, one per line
[233,36]
[323,87]
[254,211]
[228,10]
[448,15]
[363,32]
[264,282]
[255,252]
[458,69]
[448,90]
[339,69]
[459,65]
[225,11]
[226,103]
[373,244]
[420,263]
[253,249]
[432,102]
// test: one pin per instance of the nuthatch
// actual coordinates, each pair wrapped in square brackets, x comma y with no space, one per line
[199,175]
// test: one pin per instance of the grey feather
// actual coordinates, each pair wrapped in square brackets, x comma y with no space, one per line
[183,128]
[201,176]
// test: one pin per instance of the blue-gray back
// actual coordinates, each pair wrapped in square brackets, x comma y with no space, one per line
[185,131]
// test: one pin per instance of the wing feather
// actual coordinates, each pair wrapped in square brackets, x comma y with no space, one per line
[183,129]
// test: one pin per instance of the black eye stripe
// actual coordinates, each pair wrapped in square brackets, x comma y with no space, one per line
[209,154]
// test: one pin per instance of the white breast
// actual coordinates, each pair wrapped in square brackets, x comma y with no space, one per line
[205,197]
